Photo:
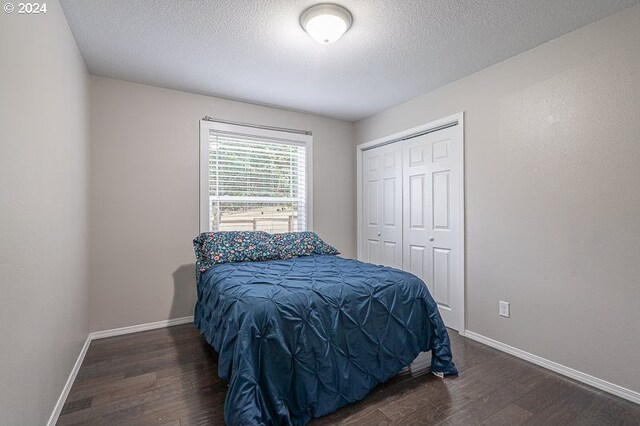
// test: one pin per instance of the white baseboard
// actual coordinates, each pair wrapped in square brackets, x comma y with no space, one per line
[603,385]
[140,327]
[53,419]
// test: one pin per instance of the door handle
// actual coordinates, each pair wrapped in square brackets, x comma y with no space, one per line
[431,238]
[379,234]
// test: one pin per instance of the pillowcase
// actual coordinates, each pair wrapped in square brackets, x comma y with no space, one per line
[212,248]
[294,244]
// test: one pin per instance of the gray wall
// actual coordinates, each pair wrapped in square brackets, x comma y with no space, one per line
[552,142]
[144,194]
[44,212]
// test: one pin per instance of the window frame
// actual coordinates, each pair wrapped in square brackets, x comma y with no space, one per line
[273,135]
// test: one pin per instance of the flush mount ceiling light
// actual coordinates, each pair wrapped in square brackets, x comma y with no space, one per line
[326,22]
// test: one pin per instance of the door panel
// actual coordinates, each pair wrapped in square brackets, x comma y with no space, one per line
[382,204]
[373,251]
[392,254]
[371,206]
[372,210]
[389,197]
[438,203]
[441,276]
[417,213]
[441,200]
[416,156]
[418,264]
[440,150]
[389,156]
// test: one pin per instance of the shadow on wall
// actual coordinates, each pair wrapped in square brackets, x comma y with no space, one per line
[184,291]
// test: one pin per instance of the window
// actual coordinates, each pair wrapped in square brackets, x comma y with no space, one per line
[254,178]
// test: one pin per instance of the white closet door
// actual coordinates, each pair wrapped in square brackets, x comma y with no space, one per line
[431,216]
[382,205]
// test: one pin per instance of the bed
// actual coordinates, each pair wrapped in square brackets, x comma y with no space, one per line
[301,337]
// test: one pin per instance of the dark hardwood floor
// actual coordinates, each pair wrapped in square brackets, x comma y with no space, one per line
[169,377]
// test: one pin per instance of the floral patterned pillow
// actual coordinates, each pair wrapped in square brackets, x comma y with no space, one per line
[212,248]
[294,244]
[231,246]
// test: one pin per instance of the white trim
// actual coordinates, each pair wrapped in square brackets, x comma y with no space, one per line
[140,327]
[57,409]
[412,131]
[204,209]
[461,219]
[255,131]
[280,136]
[358,202]
[601,384]
[459,117]
[309,184]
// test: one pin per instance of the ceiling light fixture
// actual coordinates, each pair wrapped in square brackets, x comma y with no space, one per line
[326,22]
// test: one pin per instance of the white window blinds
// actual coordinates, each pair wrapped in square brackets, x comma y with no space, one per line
[256,183]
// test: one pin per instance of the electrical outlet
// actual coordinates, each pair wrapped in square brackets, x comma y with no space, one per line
[504,309]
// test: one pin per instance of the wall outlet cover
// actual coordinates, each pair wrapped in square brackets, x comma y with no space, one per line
[504,310]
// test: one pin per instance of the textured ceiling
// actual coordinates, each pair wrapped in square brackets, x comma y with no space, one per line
[255,51]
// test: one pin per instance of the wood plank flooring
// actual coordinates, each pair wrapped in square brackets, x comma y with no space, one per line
[169,377]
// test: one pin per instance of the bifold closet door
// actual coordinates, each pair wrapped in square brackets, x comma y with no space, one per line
[382,205]
[431,215]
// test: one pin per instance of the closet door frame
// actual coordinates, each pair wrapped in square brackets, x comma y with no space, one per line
[397,137]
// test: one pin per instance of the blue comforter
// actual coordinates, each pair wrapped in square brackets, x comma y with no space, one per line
[300,338]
